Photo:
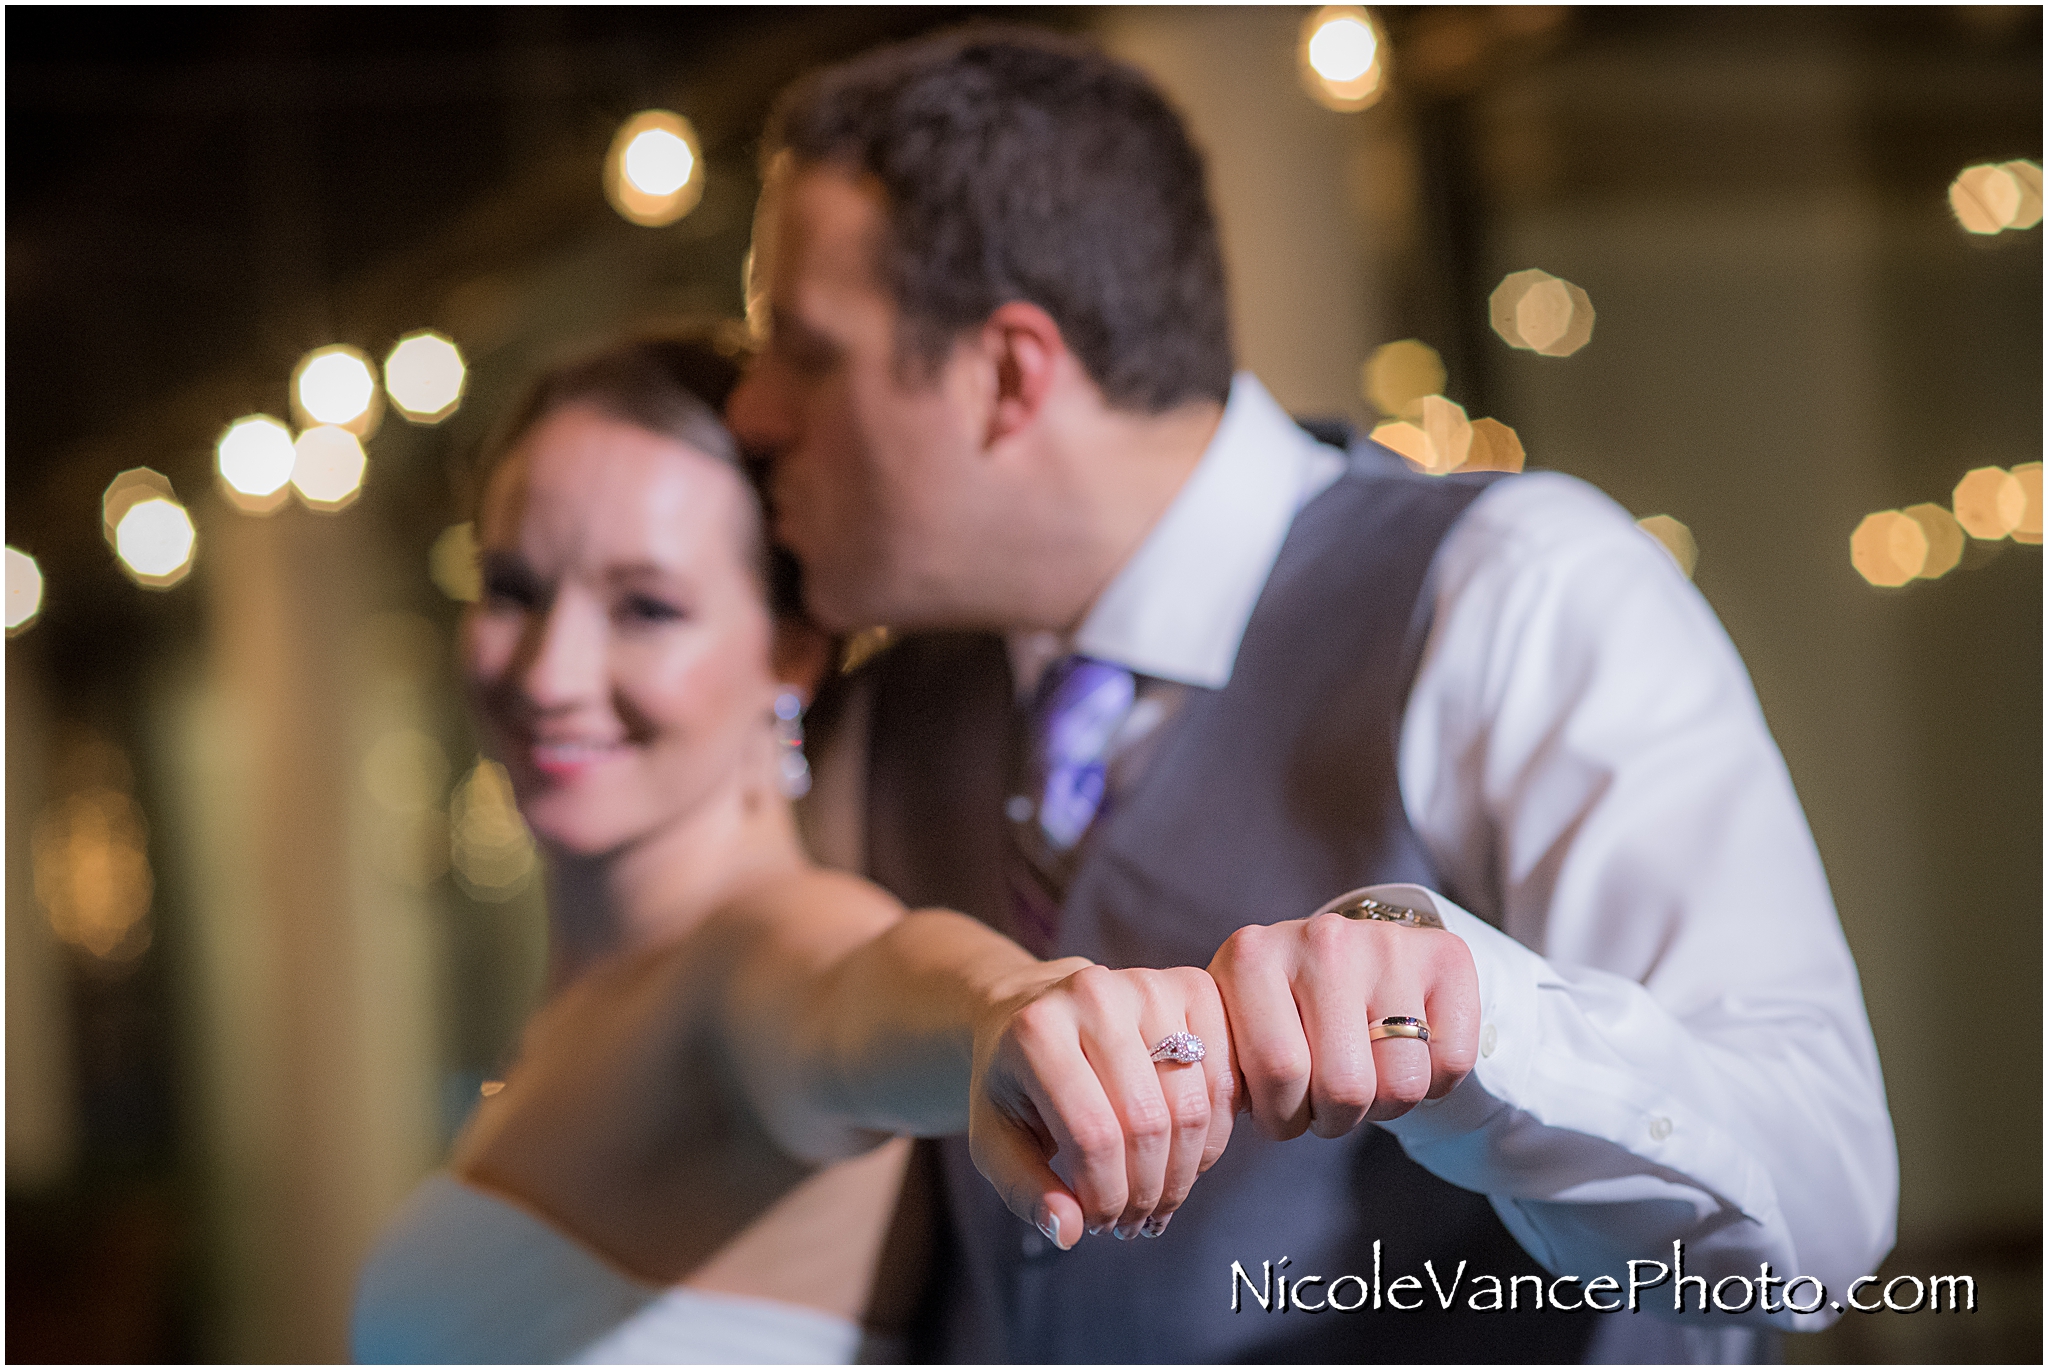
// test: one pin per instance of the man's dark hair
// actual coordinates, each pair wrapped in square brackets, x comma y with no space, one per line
[1017,165]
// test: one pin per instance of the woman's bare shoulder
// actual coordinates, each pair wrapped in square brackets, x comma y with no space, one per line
[816,906]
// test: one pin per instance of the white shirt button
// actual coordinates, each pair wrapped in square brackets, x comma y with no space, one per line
[1489,1038]
[1660,1128]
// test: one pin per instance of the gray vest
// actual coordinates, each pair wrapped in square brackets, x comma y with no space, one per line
[1264,800]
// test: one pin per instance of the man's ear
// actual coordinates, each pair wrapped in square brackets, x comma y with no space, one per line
[1028,350]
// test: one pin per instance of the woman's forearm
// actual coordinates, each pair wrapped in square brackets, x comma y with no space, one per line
[848,1024]
[900,1016]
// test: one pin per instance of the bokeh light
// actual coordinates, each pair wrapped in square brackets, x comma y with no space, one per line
[453,565]
[1675,538]
[1409,440]
[654,173]
[1944,539]
[1449,433]
[1398,374]
[127,490]
[493,853]
[1437,442]
[155,541]
[2028,177]
[24,590]
[1888,548]
[254,458]
[1495,447]
[424,376]
[1537,312]
[1993,197]
[2028,529]
[863,647]
[336,385]
[148,528]
[1989,503]
[1343,57]
[327,467]
[88,853]
[405,770]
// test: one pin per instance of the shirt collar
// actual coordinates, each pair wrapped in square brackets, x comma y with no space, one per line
[1177,609]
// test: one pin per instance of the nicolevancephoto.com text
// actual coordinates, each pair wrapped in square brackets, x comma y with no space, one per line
[1274,1290]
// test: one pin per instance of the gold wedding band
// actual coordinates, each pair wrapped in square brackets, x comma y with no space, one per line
[1399,1025]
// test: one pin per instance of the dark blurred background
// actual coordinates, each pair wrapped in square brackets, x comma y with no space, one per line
[269,923]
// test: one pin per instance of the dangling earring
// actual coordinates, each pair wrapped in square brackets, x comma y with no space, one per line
[792,771]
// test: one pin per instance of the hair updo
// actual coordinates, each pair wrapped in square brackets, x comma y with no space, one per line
[673,386]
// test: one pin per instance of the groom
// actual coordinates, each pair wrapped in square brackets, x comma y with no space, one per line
[1169,673]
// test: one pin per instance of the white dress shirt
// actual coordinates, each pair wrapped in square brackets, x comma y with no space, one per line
[1673,1040]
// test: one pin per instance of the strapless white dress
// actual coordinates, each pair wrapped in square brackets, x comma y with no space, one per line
[464,1276]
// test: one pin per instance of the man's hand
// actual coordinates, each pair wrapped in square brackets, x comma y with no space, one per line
[1303,997]
[1064,1071]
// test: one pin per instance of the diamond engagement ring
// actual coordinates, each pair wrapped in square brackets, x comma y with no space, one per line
[1181,1048]
[1399,1025]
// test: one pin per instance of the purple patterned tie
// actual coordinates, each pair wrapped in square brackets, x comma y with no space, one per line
[1080,705]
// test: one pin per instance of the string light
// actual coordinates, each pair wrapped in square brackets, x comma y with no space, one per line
[2028,529]
[1437,442]
[424,376]
[254,458]
[654,173]
[1495,447]
[1993,197]
[493,853]
[155,540]
[89,855]
[1888,549]
[1399,374]
[327,467]
[1989,503]
[336,386]
[453,565]
[24,591]
[149,530]
[1535,311]
[1343,57]
[1675,538]
[1944,539]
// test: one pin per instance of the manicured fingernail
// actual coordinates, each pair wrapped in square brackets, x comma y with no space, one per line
[1096,1230]
[1155,1225]
[1123,1235]
[1051,1228]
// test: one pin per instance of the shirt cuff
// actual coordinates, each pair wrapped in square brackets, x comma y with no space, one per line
[1510,978]
[1591,1158]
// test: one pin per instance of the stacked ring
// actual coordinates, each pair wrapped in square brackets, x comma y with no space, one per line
[1399,1025]
[1179,1048]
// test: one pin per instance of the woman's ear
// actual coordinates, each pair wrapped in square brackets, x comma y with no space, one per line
[802,655]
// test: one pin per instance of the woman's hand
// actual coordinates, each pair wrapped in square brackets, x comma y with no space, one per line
[1063,1071]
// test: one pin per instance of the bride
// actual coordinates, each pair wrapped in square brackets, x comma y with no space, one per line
[639,668]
